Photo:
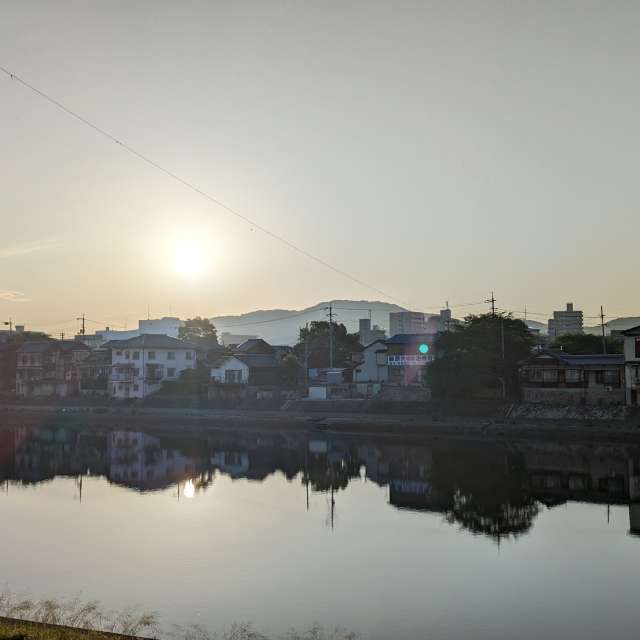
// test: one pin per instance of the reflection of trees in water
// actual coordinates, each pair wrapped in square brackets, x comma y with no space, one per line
[495,520]
[486,491]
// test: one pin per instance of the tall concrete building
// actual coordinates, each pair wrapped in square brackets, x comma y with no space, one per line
[406,322]
[368,334]
[567,321]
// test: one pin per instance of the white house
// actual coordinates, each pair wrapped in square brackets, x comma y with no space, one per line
[632,365]
[140,365]
[374,366]
[230,370]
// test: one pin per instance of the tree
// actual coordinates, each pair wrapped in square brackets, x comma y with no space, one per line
[317,338]
[289,371]
[471,360]
[198,329]
[586,343]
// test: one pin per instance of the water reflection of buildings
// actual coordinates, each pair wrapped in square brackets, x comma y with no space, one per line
[139,461]
[494,489]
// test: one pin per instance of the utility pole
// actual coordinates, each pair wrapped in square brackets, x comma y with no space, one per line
[492,300]
[82,330]
[330,336]
[62,335]
[306,359]
[9,323]
[604,342]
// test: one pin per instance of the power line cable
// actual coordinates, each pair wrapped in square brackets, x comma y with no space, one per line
[194,188]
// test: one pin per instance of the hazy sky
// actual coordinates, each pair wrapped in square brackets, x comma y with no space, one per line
[436,150]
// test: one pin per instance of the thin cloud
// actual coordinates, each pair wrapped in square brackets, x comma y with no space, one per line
[28,247]
[13,296]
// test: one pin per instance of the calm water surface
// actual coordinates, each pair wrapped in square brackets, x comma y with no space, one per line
[389,538]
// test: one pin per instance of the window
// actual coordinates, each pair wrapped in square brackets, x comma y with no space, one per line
[118,353]
[233,376]
[189,355]
[126,355]
[136,355]
[550,375]
[171,355]
[135,387]
[608,377]
[136,371]
[171,372]
[638,347]
[151,355]
[573,375]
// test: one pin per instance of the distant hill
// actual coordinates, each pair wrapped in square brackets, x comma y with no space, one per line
[534,324]
[281,326]
[618,324]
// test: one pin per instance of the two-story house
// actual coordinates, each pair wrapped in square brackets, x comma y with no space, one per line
[632,365]
[140,365]
[558,378]
[49,367]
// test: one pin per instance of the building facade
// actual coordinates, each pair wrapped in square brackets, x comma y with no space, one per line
[374,366]
[632,365]
[406,322]
[140,365]
[49,367]
[558,378]
[567,321]
[368,334]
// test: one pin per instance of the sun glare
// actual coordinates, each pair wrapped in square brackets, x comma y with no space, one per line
[189,261]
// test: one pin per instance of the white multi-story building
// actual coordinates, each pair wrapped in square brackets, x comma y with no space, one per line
[140,365]
[567,321]
[406,322]
[632,365]
[167,326]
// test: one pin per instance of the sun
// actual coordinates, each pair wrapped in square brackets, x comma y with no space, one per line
[190,261]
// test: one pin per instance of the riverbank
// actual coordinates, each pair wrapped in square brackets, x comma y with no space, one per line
[195,421]
[15,629]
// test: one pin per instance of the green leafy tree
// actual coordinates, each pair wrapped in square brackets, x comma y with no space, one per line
[480,357]
[317,337]
[585,343]
[198,329]
[290,371]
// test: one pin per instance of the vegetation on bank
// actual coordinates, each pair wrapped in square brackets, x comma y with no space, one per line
[24,618]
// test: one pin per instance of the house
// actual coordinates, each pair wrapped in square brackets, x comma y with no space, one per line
[258,346]
[243,368]
[95,371]
[559,378]
[632,365]
[49,367]
[373,366]
[140,365]
[408,354]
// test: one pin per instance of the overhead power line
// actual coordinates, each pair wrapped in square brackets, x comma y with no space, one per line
[193,187]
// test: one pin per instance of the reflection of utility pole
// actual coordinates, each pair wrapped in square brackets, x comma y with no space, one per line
[306,470]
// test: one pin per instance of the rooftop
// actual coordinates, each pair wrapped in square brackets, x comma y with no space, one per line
[150,341]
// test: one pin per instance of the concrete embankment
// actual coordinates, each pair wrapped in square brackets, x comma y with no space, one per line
[192,421]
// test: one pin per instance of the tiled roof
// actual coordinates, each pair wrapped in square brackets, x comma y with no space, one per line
[42,346]
[583,360]
[410,338]
[634,331]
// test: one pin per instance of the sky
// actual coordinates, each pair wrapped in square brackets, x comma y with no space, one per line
[434,150]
